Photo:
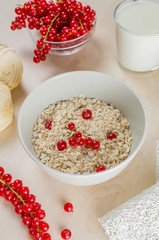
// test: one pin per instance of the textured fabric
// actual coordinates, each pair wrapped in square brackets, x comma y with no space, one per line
[138,218]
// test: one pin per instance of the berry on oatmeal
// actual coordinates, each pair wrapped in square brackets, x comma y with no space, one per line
[61,145]
[100,168]
[86,114]
[111,136]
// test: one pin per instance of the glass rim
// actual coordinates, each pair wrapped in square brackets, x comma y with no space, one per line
[125,29]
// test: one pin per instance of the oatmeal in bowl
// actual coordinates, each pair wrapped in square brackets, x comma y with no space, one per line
[81,136]
[82,139]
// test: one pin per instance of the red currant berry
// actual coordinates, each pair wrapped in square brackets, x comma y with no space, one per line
[43,32]
[40,10]
[95,145]
[78,135]
[111,136]
[65,30]
[19,209]
[78,6]
[92,13]
[35,222]
[88,142]
[53,31]
[57,7]
[46,236]
[80,141]
[47,46]
[72,142]
[47,20]
[40,214]
[17,184]
[71,126]
[40,43]
[50,5]
[48,125]
[38,236]
[73,23]
[45,51]
[26,220]
[63,15]
[32,231]
[2,190]
[70,9]
[74,31]
[11,185]
[43,226]
[36,206]
[36,59]
[24,191]
[87,114]
[13,27]
[1,171]
[27,6]
[100,168]
[87,9]
[43,57]
[76,14]
[8,195]
[7,177]
[63,38]
[31,26]
[51,37]
[30,198]
[83,30]
[68,207]
[15,201]
[27,208]
[66,234]
[61,145]
[85,17]
[42,3]
[18,10]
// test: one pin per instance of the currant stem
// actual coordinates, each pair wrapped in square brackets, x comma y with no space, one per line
[20,5]
[18,196]
[52,21]
[13,191]
[80,22]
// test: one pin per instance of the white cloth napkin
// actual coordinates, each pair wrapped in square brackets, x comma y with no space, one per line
[138,218]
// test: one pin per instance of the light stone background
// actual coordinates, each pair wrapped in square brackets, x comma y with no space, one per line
[89,202]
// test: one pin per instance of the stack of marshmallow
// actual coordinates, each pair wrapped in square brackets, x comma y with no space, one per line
[11,70]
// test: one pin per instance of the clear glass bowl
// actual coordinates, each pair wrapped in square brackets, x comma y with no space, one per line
[66,47]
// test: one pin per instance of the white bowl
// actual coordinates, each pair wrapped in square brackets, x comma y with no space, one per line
[92,85]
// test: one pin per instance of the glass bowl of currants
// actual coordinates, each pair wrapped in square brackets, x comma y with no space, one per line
[58,27]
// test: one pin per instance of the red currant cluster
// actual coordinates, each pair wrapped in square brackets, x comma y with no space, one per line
[25,205]
[77,140]
[57,21]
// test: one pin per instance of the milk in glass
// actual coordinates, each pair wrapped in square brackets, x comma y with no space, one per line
[137,33]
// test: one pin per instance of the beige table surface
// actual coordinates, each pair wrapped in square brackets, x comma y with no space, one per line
[89,202]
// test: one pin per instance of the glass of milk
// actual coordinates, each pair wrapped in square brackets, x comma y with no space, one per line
[137,34]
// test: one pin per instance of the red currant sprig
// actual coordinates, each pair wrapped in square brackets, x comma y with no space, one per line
[25,205]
